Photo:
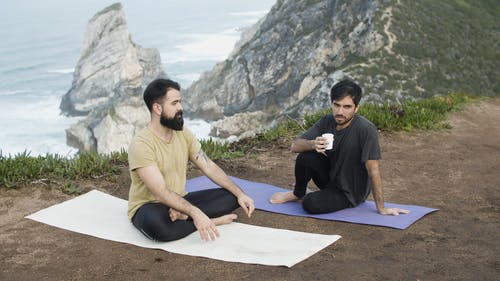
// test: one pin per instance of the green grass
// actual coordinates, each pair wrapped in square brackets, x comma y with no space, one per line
[421,114]
[219,150]
[53,169]
[425,114]
[62,172]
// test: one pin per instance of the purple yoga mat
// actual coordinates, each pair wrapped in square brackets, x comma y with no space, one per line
[364,213]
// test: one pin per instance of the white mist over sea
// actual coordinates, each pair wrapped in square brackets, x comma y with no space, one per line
[40,43]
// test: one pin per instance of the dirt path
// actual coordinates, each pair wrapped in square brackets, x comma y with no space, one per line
[457,171]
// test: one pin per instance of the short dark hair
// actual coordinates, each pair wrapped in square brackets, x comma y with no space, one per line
[157,90]
[346,88]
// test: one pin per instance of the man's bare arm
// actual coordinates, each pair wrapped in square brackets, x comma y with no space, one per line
[302,145]
[218,176]
[376,184]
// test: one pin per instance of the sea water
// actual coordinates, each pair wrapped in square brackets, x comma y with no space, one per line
[40,43]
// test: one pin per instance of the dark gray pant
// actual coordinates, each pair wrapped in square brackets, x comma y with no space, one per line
[316,167]
[153,219]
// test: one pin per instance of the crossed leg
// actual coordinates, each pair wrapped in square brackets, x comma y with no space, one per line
[159,222]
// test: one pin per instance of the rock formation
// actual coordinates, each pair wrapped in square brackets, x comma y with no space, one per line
[396,50]
[108,83]
[286,64]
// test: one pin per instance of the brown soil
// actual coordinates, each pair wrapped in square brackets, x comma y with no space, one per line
[455,170]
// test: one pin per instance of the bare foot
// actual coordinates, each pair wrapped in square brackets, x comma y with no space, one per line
[176,215]
[283,197]
[226,219]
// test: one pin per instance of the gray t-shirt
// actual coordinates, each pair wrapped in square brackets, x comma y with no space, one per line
[352,146]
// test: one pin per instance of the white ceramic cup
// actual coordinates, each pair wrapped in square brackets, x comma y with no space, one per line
[329,138]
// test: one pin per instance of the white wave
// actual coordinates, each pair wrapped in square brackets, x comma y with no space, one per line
[200,128]
[235,31]
[36,127]
[13,92]
[211,47]
[40,148]
[214,46]
[250,22]
[260,13]
[62,70]
[188,77]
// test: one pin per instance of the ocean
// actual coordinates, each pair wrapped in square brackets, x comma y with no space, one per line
[40,43]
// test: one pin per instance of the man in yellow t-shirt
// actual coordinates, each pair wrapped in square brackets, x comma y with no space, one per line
[158,156]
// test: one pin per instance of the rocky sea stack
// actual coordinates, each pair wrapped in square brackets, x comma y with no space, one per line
[108,83]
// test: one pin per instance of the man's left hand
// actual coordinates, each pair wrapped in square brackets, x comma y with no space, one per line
[392,211]
[246,204]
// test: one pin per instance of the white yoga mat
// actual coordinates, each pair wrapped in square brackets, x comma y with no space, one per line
[101,215]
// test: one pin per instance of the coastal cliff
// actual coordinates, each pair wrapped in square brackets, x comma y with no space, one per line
[284,66]
[396,50]
[108,83]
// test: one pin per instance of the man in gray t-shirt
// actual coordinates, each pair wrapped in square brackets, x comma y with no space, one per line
[346,173]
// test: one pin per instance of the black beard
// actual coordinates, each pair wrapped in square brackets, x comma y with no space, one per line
[176,123]
[345,121]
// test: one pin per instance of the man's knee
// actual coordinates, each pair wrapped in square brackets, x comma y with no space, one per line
[323,201]
[305,158]
[314,161]
[312,204]
[229,199]
[169,232]
[167,236]
[233,204]
[219,202]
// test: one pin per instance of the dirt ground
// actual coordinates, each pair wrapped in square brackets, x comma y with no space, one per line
[456,170]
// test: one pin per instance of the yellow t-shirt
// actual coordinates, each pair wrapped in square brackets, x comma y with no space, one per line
[171,157]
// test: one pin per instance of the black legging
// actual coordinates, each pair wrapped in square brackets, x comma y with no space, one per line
[153,219]
[316,166]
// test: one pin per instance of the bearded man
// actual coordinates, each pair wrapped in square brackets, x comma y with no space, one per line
[346,173]
[159,205]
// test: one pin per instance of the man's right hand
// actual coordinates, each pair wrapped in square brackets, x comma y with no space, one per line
[320,144]
[205,226]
